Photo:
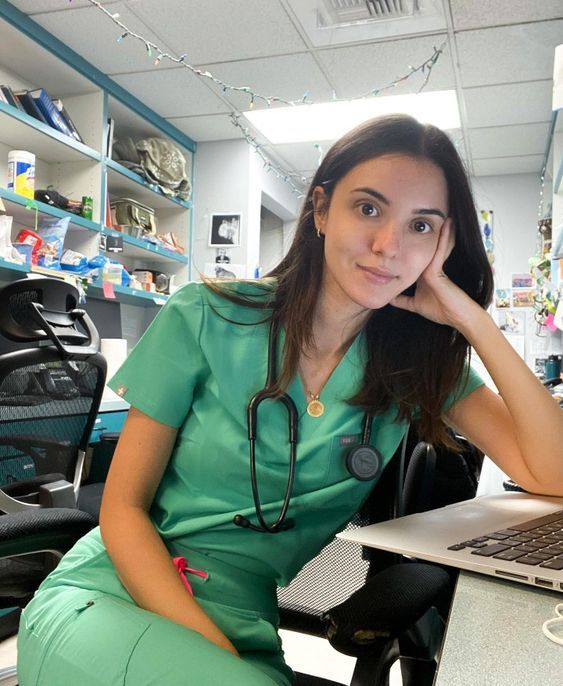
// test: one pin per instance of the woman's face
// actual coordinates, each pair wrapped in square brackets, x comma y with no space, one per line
[380,229]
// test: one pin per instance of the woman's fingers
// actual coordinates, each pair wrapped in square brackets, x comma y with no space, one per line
[446,243]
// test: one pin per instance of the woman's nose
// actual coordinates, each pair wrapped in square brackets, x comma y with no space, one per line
[387,239]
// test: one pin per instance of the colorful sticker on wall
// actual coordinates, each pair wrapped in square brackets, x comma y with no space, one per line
[522,280]
[523,297]
[502,297]
[487,218]
[512,321]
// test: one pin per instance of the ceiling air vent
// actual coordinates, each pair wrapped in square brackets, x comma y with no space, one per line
[337,13]
[328,23]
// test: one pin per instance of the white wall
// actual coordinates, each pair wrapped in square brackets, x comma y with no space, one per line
[221,186]
[514,200]
[229,177]
[271,240]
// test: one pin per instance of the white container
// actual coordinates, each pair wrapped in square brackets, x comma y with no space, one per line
[21,173]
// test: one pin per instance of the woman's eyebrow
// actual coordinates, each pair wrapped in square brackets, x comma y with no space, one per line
[430,210]
[375,194]
[379,196]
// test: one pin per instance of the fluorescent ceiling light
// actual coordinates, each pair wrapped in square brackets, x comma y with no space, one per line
[330,120]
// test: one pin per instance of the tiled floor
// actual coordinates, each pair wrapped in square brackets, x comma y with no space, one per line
[316,656]
[8,657]
[8,652]
[305,653]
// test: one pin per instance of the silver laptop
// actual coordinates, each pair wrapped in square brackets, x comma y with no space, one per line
[513,536]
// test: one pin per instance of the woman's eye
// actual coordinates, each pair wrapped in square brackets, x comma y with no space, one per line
[422,227]
[368,210]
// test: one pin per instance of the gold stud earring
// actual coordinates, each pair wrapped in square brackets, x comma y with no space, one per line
[318,232]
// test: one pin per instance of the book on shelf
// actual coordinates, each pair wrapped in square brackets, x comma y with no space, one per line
[11,98]
[50,112]
[30,106]
[58,103]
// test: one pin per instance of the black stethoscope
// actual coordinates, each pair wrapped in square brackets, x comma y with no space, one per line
[363,461]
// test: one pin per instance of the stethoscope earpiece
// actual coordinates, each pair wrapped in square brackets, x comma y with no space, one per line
[245,523]
[241,521]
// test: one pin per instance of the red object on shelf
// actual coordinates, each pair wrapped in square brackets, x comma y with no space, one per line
[29,237]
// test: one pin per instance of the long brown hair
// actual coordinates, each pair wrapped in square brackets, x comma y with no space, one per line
[412,362]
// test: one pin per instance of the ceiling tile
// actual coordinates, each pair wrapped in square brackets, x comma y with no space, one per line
[172,92]
[288,77]
[223,29]
[202,129]
[504,50]
[508,165]
[506,141]
[508,54]
[516,103]
[456,136]
[94,36]
[359,69]
[473,15]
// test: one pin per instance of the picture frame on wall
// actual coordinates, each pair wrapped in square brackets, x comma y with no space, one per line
[502,297]
[522,280]
[523,297]
[225,230]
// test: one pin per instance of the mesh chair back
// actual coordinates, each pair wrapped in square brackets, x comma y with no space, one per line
[50,392]
[341,568]
[327,580]
[48,406]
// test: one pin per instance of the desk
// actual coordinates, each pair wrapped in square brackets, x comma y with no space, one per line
[494,636]
[110,419]
[111,415]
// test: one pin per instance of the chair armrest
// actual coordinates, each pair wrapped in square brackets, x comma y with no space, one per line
[386,606]
[25,443]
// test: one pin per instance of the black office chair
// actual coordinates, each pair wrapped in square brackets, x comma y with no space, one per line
[50,393]
[374,605]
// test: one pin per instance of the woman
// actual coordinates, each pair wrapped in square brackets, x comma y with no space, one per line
[380,295]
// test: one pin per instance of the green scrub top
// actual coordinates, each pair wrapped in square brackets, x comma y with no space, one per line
[196,370]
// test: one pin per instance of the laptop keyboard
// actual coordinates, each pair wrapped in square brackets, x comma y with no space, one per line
[536,542]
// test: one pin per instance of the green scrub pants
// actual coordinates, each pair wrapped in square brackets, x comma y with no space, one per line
[72,636]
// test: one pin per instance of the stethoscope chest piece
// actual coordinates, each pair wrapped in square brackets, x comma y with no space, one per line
[364,462]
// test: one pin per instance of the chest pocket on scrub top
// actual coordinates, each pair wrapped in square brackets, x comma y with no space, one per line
[340,446]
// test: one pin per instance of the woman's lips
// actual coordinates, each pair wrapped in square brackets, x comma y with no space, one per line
[378,276]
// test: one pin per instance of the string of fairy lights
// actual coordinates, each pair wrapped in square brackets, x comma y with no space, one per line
[295,181]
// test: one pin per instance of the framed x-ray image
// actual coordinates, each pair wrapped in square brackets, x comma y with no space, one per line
[224,230]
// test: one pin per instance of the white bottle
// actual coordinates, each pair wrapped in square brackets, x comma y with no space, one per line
[21,173]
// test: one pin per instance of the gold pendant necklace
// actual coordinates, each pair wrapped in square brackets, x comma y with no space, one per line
[315,407]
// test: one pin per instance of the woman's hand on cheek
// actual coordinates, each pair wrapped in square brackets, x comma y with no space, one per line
[436,297]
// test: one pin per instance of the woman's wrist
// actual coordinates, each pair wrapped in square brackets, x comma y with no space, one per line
[471,321]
